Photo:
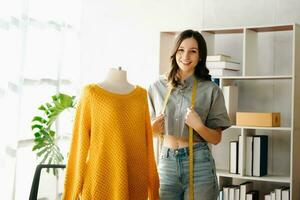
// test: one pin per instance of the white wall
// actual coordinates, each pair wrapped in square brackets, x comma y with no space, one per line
[126,33]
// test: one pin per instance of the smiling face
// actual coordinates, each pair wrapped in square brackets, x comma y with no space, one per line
[187,57]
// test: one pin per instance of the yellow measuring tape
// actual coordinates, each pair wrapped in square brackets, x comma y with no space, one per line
[191,152]
[191,155]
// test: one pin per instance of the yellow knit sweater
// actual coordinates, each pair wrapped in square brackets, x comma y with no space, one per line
[111,155]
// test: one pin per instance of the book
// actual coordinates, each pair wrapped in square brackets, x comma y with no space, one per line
[218,57]
[222,72]
[244,188]
[252,195]
[272,195]
[234,149]
[220,197]
[278,192]
[237,193]
[249,158]
[260,155]
[240,168]
[267,196]
[232,192]
[285,194]
[226,192]
[230,94]
[223,65]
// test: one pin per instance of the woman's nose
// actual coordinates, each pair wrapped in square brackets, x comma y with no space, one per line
[185,55]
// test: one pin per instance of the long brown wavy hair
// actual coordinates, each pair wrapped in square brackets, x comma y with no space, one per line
[201,71]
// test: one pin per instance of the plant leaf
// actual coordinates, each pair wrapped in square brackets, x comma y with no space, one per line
[45,157]
[39,119]
[37,146]
[42,151]
[38,126]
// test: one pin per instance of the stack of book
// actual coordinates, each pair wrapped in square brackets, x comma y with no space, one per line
[257,155]
[222,65]
[282,193]
[243,191]
[246,191]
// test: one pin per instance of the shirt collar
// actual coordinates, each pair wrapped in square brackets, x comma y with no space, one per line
[188,82]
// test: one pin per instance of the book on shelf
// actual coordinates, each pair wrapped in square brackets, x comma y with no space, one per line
[230,94]
[234,150]
[218,57]
[222,72]
[220,197]
[226,192]
[229,192]
[279,192]
[240,159]
[249,158]
[260,155]
[244,188]
[223,65]
[252,195]
[285,194]
[272,195]
[234,192]
[237,193]
[267,196]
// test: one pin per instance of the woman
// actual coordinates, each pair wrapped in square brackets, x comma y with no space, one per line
[208,118]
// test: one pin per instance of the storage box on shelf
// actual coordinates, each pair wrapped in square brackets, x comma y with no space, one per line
[269,58]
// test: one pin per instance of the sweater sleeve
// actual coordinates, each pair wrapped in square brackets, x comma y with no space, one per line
[153,180]
[79,148]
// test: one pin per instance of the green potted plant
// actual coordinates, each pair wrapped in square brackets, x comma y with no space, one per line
[44,136]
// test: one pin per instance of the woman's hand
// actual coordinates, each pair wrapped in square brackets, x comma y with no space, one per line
[192,119]
[158,124]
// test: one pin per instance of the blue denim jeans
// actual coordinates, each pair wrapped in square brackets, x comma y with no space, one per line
[174,173]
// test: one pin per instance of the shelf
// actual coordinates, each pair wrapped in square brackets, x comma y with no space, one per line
[267,80]
[263,128]
[288,27]
[267,178]
[255,77]
[224,31]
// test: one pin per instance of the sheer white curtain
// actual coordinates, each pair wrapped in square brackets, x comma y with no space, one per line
[39,56]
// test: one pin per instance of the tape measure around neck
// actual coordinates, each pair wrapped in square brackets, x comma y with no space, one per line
[191,152]
[191,155]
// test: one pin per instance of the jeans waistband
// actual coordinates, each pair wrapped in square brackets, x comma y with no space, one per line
[182,151]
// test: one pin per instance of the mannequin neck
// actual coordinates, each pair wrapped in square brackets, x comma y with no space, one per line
[116,76]
[116,81]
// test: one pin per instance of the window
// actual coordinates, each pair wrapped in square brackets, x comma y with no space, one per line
[40,55]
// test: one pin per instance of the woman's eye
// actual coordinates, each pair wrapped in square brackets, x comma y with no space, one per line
[180,50]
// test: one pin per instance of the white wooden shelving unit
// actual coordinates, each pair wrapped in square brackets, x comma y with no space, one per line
[269,81]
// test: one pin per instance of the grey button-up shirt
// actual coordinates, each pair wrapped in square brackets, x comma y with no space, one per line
[209,105]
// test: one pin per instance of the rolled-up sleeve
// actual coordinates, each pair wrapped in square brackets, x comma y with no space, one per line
[217,115]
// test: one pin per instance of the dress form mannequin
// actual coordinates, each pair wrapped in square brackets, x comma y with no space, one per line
[116,81]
